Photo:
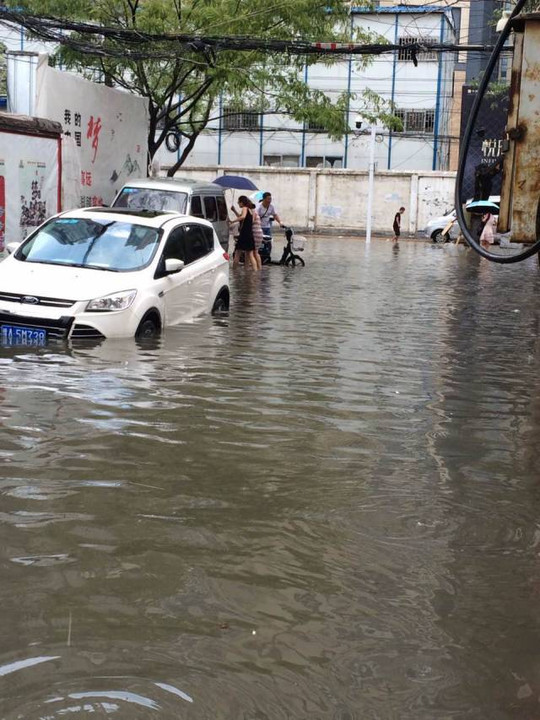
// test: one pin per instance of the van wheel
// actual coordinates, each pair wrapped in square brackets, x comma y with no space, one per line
[147,329]
[438,237]
[221,303]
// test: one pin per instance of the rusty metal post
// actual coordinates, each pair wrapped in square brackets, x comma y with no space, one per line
[520,194]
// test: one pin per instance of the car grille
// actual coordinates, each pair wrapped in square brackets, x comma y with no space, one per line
[86,332]
[36,300]
[56,329]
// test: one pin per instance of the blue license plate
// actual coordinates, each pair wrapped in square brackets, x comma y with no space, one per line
[20,335]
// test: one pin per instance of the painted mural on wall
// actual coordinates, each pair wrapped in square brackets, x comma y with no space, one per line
[109,129]
[483,167]
[33,209]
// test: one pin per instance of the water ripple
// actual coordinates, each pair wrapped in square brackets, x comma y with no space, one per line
[322,506]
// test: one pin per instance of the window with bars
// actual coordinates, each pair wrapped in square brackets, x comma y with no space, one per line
[324,161]
[313,126]
[406,54]
[282,160]
[234,119]
[417,121]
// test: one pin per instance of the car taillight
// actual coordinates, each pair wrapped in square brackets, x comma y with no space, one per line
[226,256]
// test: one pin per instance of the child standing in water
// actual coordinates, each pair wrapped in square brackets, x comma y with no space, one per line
[397,224]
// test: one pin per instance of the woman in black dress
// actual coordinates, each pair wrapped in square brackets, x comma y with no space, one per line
[246,242]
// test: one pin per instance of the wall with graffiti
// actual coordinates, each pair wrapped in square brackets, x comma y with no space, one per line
[108,128]
[29,182]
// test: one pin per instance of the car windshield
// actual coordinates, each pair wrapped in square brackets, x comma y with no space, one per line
[135,198]
[102,244]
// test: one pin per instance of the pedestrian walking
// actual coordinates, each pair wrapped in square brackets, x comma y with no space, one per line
[257,237]
[397,224]
[246,242]
[487,236]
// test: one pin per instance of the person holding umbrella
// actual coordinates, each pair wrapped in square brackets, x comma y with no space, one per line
[487,237]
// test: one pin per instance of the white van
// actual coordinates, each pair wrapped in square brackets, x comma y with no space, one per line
[184,195]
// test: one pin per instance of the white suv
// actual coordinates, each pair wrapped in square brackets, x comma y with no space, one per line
[97,273]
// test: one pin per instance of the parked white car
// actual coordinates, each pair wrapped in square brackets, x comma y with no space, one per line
[435,227]
[99,273]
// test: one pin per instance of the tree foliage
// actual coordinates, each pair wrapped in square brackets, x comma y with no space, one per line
[183,91]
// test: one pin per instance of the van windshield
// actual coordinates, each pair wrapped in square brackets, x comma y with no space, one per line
[139,198]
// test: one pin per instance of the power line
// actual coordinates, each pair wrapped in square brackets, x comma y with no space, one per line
[130,41]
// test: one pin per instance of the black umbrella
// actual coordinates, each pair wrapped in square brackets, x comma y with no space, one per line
[235,182]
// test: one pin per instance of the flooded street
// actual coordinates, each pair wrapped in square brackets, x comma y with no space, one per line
[325,505]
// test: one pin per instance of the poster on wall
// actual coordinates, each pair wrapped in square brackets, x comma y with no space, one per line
[108,128]
[33,208]
[29,183]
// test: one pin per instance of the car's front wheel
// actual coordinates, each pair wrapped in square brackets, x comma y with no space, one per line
[148,328]
[438,237]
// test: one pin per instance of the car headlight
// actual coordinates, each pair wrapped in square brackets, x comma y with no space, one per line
[109,303]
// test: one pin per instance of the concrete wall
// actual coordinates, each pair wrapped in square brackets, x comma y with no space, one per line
[336,200]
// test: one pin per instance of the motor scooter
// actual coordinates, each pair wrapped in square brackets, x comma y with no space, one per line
[295,244]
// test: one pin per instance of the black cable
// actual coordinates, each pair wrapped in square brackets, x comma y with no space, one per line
[472,241]
[136,45]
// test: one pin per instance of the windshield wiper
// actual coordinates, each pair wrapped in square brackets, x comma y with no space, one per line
[51,262]
[98,267]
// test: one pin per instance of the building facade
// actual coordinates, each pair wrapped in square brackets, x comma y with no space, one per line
[421,89]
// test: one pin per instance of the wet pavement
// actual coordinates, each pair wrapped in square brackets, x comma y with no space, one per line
[325,506]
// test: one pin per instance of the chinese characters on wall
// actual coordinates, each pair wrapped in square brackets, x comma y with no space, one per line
[73,127]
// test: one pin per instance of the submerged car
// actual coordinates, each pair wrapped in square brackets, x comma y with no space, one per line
[97,273]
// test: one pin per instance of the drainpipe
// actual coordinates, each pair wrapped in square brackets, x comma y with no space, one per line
[261,133]
[413,204]
[220,128]
[349,84]
[303,154]
[394,70]
[438,103]
[178,149]
[312,200]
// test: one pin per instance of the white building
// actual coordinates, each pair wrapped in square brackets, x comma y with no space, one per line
[423,96]
[422,93]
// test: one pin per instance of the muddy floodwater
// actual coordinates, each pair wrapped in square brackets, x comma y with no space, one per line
[324,506]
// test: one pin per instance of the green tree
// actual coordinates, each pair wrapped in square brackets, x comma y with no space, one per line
[183,83]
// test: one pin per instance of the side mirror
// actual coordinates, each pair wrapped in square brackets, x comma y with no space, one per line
[173,265]
[12,247]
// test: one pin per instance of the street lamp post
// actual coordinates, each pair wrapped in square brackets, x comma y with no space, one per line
[372,130]
[371,183]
